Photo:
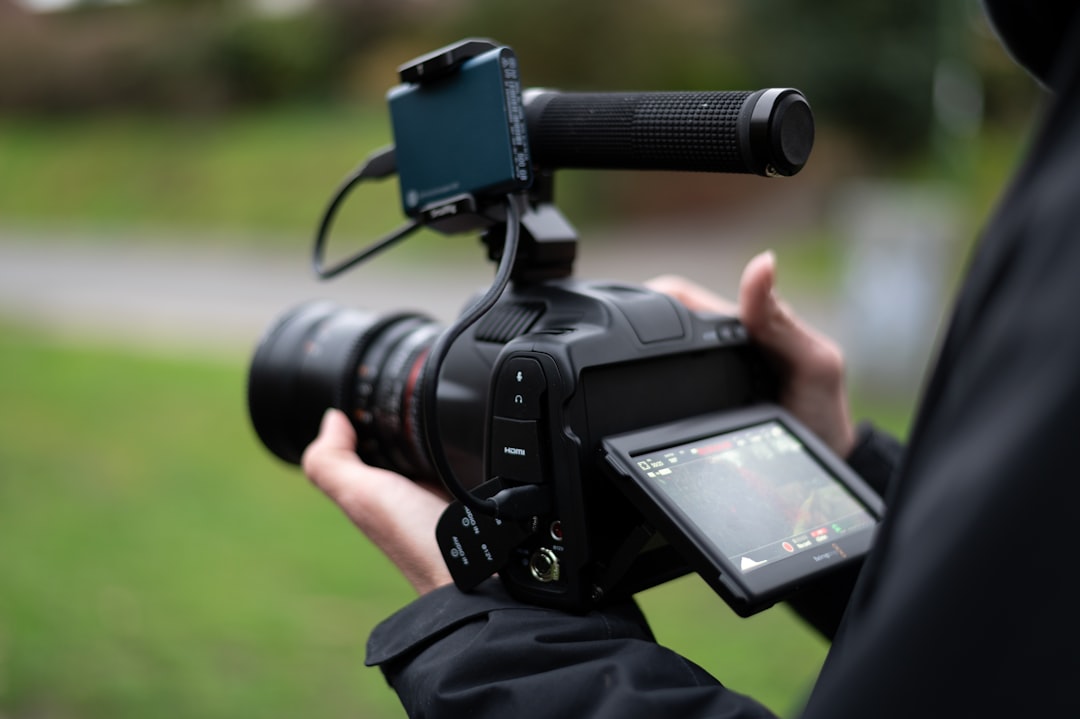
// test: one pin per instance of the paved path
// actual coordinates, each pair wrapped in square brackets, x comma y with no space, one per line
[207,300]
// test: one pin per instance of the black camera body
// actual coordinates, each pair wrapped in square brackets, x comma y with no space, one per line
[533,388]
[599,438]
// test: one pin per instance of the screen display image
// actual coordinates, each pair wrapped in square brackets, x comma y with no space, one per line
[756,493]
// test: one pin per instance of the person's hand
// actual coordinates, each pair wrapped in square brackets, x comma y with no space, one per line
[811,365]
[395,513]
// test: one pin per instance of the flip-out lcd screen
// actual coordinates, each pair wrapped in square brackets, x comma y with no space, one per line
[754,502]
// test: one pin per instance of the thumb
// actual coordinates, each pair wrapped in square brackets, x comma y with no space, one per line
[758,305]
[812,386]
[395,513]
[336,433]
[330,460]
[767,318]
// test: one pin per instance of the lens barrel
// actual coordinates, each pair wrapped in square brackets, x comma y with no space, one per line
[319,355]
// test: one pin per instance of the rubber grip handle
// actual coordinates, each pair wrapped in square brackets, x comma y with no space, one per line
[767,132]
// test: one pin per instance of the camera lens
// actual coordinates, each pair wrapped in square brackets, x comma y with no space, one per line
[320,355]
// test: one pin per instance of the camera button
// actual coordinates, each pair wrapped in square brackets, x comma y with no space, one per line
[519,389]
[731,333]
[515,450]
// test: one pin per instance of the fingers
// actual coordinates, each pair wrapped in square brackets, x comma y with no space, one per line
[773,325]
[333,451]
[811,365]
[758,307]
[757,300]
[398,515]
[694,296]
[769,320]
[754,293]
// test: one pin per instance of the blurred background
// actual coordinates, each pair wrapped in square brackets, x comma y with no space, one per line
[163,164]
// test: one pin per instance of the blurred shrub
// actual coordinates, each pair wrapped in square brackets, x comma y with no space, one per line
[273,59]
[163,56]
[868,68]
[612,44]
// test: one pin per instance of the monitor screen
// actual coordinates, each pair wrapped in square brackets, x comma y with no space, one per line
[756,493]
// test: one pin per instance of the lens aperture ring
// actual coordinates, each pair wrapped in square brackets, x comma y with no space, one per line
[354,391]
[397,382]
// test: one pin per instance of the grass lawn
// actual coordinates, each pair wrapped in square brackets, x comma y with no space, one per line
[155,561]
[259,177]
[268,174]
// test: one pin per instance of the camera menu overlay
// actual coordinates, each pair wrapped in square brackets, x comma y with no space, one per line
[756,493]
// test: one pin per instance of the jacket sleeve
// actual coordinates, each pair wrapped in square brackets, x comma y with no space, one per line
[483,654]
[875,458]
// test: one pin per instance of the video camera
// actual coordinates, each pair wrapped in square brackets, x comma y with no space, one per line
[599,438]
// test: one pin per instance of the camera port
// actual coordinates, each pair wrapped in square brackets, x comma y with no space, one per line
[556,531]
[544,565]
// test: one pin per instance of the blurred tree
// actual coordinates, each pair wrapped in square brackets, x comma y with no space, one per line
[214,4]
[175,55]
[610,44]
[358,23]
[867,68]
[273,59]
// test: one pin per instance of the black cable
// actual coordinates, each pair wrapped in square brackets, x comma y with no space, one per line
[509,504]
[378,165]
[514,502]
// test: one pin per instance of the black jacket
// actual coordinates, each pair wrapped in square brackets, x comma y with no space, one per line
[965,607]
[483,654]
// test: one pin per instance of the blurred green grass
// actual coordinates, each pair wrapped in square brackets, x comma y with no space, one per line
[266,174]
[155,560]
[248,179]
